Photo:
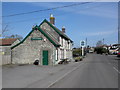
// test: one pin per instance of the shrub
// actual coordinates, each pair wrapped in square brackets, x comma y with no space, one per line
[100,50]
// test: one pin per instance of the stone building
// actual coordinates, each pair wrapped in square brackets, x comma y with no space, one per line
[45,43]
[5,49]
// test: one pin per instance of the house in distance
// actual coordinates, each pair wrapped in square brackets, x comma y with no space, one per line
[45,43]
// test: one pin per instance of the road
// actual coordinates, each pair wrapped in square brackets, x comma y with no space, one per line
[95,71]
[98,71]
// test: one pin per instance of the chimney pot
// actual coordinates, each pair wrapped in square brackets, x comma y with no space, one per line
[63,29]
[51,15]
[52,19]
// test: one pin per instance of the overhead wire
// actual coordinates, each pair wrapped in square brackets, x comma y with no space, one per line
[26,20]
[45,9]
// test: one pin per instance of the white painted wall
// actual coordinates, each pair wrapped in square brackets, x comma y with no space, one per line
[66,49]
[56,54]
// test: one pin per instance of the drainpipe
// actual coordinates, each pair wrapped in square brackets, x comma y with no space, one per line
[118,25]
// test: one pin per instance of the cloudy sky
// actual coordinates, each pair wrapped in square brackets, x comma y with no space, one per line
[94,21]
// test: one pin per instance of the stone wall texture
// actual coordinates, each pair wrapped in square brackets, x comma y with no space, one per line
[31,50]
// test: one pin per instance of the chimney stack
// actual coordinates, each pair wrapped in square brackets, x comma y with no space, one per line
[63,29]
[52,19]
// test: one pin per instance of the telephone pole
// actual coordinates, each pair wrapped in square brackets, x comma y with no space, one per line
[119,25]
[86,42]
[103,41]
[118,35]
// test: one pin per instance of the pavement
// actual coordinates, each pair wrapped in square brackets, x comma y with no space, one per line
[95,71]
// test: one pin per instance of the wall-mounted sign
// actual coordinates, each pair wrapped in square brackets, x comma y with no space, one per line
[36,38]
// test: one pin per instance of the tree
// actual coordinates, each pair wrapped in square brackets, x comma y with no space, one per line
[15,36]
[4,34]
[101,50]
[4,30]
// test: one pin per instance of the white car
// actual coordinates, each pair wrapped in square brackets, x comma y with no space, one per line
[91,51]
[113,51]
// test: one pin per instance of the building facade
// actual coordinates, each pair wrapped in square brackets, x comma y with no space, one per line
[5,49]
[45,43]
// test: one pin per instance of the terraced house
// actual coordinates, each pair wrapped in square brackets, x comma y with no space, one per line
[45,43]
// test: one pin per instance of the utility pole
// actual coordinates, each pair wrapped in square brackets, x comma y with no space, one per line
[119,38]
[86,49]
[118,35]
[103,41]
[82,51]
[86,42]
[118,23]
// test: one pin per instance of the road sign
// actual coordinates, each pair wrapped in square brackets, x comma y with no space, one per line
[82,43]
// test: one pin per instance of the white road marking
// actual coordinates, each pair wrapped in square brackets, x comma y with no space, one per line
[116,70]
[64,75]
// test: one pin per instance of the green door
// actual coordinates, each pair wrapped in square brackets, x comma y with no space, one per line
[45,57]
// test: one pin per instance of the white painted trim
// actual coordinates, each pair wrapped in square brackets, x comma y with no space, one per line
[56,55]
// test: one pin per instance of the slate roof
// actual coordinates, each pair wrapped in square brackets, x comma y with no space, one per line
[46,34]
[7,41]
[57,30]
[57,43]
[53,41]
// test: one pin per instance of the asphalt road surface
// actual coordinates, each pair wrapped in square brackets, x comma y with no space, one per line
[97,71]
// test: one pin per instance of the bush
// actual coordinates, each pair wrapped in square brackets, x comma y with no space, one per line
[101,50]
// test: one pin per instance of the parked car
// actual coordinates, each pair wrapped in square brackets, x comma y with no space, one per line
[113,51]
[91,51]
[118,55]
[78,59]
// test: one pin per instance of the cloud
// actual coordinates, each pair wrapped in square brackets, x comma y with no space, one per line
[46,4]
[106,10]
[103,33]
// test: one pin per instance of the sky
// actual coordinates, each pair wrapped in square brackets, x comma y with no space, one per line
[94,21]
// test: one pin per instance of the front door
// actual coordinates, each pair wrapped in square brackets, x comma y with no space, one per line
[45,57]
